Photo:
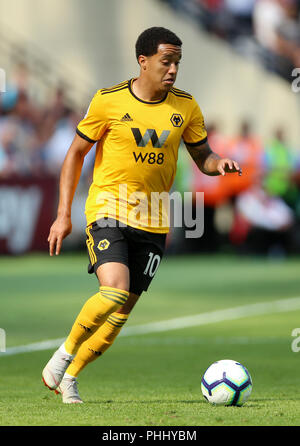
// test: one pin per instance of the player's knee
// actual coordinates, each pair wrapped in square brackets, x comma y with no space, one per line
[114,275]
[118,284]
[130,303]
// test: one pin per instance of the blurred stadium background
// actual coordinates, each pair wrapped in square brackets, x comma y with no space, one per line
[238,59]
[238,62]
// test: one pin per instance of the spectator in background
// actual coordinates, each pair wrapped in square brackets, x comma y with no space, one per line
[266,213]
[20,77]
[288,33]
[237,17]
[276,28]
[209,12]
[267,31]
[15,131]
[280,167]
[248,150]
[267,16]
[55,149]
[264,223]
[19,122]
[242,12]
[7,150]
[53,112]
[33,138]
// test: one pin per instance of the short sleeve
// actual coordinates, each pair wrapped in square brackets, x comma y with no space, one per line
[195,132]
[94,123]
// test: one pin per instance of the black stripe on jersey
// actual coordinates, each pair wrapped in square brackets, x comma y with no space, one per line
[181,95]
[113,91]
[194,144]
[85,137]
[177,90]
[115,86]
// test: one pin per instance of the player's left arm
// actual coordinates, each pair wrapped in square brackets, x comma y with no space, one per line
[209,162]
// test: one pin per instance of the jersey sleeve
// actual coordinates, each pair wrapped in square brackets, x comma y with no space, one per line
[195,133]
[94,123]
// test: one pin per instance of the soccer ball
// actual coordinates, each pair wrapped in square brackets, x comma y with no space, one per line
[226,383]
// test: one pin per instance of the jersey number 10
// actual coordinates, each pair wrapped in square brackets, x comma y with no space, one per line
[152,265]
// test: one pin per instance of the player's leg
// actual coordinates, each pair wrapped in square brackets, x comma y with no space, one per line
[112,295]
[92,315]
[145,254]
[102,339]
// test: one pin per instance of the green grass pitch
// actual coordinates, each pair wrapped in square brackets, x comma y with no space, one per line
[153,379]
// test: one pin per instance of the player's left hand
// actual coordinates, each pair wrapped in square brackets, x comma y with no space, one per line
[227,165]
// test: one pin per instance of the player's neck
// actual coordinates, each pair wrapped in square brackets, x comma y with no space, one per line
[143,89]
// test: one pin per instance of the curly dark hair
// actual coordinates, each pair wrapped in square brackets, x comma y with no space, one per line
[149,40]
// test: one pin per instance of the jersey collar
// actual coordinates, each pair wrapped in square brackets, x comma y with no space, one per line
[130,82]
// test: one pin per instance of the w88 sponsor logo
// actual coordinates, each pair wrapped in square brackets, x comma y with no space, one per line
[151,157]
[156,141]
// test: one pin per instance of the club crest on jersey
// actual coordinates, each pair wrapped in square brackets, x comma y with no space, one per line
[103,244]
[176,119]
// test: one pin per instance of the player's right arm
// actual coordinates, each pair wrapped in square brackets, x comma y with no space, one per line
[89,130]
[69,177]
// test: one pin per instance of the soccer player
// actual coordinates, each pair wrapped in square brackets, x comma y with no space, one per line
[138,126]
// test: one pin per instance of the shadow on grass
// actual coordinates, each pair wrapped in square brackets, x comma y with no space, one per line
[254,403]
[146,402]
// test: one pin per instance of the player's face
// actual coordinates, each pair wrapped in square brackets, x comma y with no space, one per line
[162,67]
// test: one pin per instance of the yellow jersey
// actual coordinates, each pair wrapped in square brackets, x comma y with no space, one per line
[136,153]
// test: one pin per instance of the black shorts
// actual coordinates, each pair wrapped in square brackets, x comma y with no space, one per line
[109,241]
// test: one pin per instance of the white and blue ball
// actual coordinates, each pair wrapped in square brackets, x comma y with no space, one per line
[226,383]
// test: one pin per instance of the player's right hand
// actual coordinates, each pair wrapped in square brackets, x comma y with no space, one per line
[61,227]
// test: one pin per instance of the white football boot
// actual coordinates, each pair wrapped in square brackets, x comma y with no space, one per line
[54,371]
[69,391]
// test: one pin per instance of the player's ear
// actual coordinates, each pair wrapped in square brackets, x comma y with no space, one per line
[142,60]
